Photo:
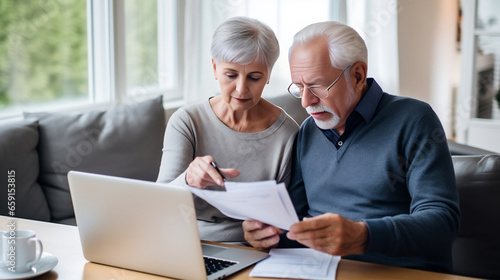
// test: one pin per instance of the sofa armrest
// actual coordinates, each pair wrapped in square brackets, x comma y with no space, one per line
[476,250]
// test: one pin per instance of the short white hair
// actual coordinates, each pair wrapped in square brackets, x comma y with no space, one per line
[244,40]
[344,43]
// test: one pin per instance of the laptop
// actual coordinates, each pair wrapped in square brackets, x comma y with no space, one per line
[148,227]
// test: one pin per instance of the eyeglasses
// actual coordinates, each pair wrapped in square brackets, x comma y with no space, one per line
[317,90]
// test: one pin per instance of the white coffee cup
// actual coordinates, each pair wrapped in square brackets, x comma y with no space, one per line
[19,250]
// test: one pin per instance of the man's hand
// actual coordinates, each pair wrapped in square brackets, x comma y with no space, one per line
[332,234]
[261,236]
[200,173]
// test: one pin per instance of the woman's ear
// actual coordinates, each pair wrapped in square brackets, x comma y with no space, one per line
[215,68]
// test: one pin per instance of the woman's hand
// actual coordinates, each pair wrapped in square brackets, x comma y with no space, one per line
[200,173]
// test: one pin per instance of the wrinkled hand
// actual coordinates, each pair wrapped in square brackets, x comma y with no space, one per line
[332,234]
[200,173]
[261,236]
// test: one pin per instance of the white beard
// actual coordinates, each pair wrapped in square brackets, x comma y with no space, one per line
[335,119]
[324,124]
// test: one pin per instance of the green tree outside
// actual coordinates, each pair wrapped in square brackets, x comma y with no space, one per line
[43,51]
[141,42]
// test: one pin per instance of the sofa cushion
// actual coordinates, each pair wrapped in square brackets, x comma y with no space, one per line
[18,156]
[291,105]
[476,250]
[124,141]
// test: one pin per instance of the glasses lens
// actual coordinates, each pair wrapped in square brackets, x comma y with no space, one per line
[319,91]
[294,90]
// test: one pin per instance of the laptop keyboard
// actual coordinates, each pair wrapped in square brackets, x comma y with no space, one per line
[213,265]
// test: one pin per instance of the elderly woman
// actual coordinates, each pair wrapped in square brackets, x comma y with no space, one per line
[247,136]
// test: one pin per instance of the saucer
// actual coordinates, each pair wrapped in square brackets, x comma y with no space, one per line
[45,264]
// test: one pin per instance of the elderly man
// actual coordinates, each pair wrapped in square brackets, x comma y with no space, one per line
[372,175]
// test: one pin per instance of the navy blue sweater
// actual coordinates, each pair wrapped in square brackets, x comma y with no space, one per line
[393,171]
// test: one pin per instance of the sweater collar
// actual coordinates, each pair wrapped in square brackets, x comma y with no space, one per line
[369,102]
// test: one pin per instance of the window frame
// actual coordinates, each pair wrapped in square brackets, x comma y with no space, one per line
[107,56]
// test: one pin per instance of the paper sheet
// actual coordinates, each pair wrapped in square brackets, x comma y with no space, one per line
[300,263]
[264,201]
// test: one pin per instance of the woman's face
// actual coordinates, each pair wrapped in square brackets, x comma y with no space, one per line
[241,85]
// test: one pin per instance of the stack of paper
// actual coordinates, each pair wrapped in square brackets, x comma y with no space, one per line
[264,201]
[298,264]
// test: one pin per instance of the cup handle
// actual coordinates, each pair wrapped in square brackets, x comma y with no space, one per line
[38,252]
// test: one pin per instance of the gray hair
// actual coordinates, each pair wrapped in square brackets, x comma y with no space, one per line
[244,40]
[344,43]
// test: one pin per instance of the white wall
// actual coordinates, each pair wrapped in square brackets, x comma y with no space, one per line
[428,56]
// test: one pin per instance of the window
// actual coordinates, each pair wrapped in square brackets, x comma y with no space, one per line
[477,109]
[488,59]
[62,54]
[133,50]
[43,53]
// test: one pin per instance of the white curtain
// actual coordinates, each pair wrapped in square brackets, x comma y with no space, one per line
[377,23]
[201,18]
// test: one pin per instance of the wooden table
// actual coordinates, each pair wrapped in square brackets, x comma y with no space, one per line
[64,242]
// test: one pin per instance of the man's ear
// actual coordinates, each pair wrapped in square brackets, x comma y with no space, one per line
[360,70]
[215,68]
[358,77]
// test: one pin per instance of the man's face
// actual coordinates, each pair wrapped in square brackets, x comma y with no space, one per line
[310,66]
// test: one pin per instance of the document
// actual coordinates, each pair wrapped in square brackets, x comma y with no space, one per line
[302,263]
[264,201]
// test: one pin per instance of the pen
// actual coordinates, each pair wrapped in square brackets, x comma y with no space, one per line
[218,170]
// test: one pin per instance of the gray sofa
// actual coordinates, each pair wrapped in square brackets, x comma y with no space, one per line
[126,141]
[476,250]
